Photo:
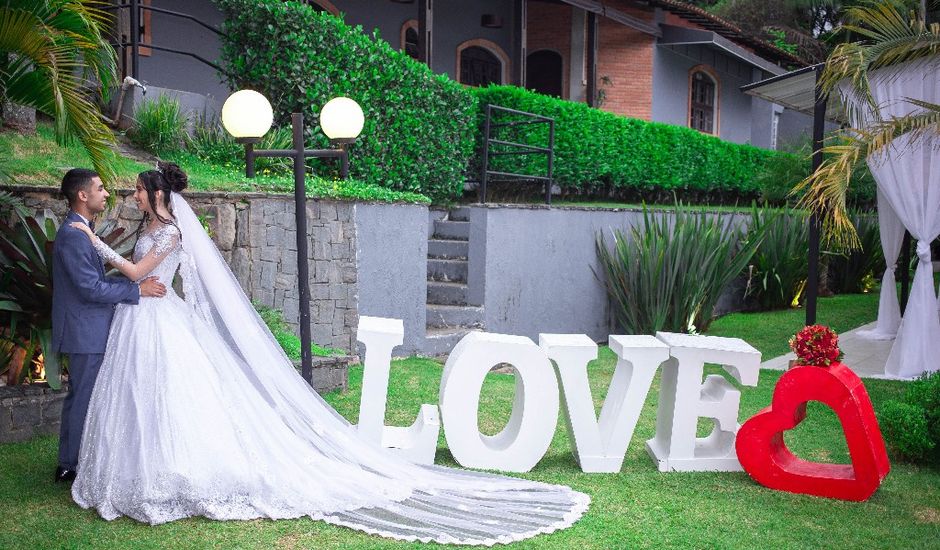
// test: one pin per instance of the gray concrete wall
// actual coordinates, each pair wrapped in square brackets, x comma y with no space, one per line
[194,106]
[391,259]
[180,72]
[456,21]
[539,264]
[383,16]
[671,66]
[577,83]
[762,115]
[538,274]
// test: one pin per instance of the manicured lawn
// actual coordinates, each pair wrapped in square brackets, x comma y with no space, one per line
[639,507]
[38,160]
[842,312]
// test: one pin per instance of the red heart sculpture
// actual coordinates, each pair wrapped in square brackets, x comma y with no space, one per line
[766,458]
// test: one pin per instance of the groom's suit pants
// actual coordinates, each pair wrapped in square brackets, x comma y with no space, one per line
[83,371]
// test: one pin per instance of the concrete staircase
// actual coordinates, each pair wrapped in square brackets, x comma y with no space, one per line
[449,316]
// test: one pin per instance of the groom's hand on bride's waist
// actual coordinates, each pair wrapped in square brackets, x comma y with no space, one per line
[152,287]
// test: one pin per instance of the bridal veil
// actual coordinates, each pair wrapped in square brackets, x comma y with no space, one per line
[393,497]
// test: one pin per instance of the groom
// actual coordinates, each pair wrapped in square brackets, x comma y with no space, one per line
[83,300]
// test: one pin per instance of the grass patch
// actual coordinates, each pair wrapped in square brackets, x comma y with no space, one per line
[639,507]
[38,160]
[770,334]
[288,341]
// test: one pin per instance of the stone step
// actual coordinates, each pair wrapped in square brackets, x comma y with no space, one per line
[457,231]
[443,316]
[444,293]
[459,214]
[447,249]
[440,341]
[447,270]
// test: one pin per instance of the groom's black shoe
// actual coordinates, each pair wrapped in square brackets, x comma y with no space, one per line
[64,474]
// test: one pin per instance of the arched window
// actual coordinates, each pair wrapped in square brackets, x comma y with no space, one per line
[703,100]
[543,72]
[479,67]
[481,62]
[409,38]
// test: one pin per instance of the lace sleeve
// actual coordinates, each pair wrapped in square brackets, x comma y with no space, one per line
[165,239]
[107,254]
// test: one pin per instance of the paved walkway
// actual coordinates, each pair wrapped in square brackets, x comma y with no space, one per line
[866,357]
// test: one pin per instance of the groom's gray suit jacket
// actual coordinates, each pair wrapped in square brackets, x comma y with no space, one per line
[83,298]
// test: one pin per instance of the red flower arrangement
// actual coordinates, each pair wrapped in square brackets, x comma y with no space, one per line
[816,345]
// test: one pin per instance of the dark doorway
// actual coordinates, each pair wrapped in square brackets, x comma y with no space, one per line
[543,73]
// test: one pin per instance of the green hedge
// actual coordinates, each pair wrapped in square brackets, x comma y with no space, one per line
[419,128]
[596,150]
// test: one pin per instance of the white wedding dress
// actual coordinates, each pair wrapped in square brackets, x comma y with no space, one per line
[198,412]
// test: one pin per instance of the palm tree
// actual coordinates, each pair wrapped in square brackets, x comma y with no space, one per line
[48,49]
[890,38]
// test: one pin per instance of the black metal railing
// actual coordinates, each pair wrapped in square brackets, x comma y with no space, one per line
[511,118]
[135,45]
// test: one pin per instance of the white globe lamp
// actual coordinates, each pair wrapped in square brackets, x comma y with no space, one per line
[247,115]
[341,119]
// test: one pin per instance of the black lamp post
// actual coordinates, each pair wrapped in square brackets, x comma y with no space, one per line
[247,115]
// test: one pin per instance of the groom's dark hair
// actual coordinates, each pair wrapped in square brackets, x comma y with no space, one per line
[75,180]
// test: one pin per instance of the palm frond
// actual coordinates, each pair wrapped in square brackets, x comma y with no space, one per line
[891,39]
[54,45]
[827,187]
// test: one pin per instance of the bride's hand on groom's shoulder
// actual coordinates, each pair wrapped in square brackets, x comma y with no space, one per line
[151,287]
[83,228]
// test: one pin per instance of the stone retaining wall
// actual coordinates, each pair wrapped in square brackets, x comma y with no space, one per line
[29,411]
[256,235]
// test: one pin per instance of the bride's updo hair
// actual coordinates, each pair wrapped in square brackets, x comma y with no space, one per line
[167,177]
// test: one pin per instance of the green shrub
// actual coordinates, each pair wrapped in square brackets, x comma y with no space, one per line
[289,342]
[160,126]
[212,143]
[777,271]
[855,271]
[912,426]
[669,271]
[792,165]
[597,151]
[418,133]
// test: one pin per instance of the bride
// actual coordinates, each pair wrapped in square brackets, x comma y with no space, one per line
[198,412]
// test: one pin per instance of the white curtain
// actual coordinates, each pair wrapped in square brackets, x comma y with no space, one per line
[889,311]
[903,172]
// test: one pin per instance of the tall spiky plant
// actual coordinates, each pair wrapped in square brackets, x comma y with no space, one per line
[891,39]
[48,48]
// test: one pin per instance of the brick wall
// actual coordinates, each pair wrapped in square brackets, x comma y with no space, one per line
[625,56]
[549,28]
